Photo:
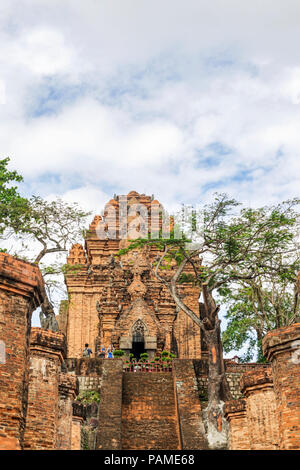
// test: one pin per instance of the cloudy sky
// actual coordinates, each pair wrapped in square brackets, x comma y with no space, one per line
[176,98]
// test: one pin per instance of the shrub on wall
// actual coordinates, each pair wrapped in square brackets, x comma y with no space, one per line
[144,357]
[118,353]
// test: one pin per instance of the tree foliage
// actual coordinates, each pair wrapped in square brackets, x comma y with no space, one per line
[35,229]
[226,245]
[260,305]
[13,207]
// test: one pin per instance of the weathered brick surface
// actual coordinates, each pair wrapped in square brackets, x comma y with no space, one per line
[21,291]
[76,433]
[262,418]
[110,408]
[281,347]
[9,443]
[77,421]
[100,277]
[46,355]
[149,415]
[189,407]
[235,413]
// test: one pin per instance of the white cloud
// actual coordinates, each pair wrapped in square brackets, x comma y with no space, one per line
[2,92]
[90,198]
[42,51]
[175,98]
[112,96]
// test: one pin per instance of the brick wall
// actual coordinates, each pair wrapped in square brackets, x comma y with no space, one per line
[189,407]
[234,373]
[76,433]
[110,407]
[235,413]
[68,389]
[149,417]
[21,291]
[262,419]
[282,349]
[47,350]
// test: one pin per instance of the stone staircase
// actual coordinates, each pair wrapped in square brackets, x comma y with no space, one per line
[149,412]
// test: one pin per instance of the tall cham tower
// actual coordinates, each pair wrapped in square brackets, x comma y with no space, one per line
[117,300]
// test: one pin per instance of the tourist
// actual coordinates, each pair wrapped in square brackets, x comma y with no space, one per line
[87,351]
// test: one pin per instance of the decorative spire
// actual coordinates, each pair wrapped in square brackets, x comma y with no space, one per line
[76,255]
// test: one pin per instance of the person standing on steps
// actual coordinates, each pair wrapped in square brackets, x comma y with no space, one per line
[87,351]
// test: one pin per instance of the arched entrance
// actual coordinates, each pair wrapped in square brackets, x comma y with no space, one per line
[138,339]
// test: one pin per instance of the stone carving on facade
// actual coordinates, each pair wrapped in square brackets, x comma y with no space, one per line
[138,331]
[109,293]
[77,255]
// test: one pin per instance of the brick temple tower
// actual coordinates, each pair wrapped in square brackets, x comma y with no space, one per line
[117,300]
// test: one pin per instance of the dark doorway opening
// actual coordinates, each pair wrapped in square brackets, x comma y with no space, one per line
[138,348]
[138,343]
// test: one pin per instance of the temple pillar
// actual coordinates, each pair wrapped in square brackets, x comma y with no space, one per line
[77,420]
[282,348]
[262,419]
[68,390]
[235,413]
[21,292]
[47,351]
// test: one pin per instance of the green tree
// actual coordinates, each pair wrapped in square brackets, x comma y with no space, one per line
[52,227]
[13,207]
[37,228]
[259,305]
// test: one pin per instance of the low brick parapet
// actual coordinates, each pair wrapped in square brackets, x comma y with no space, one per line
[234,406]
[261,412]
[231,366]
[235,413]
[48,341]
[21,291]
[68,385]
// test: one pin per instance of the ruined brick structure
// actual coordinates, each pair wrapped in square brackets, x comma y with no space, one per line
[118,301]
[21,291]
